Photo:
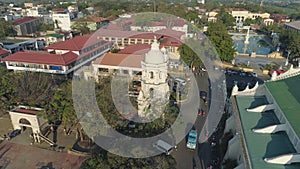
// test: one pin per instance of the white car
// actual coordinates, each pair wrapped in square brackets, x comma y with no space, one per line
[164,147]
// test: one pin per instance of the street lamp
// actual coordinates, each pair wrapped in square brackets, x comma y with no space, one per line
[287,58]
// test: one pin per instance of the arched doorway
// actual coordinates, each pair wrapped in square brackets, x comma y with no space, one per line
[24,121]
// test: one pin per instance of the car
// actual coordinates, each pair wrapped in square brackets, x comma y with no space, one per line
[180,81]
[253,74]
[201,112]
[192,140]
[164,147]
[242,73]
[14,133]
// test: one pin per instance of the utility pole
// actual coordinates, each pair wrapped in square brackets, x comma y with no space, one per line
[154,6]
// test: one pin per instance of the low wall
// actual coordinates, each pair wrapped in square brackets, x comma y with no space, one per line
[78,153]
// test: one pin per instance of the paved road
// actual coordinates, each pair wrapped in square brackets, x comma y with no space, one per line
[259,61]
[189,159]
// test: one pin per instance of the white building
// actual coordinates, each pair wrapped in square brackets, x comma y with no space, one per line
[34,12]
[61,19]
[63,57]
[155,89]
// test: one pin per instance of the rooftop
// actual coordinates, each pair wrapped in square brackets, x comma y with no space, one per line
[295,24]
[288,99]
[137,49]
[42,58]
[25,111]
[24,20]
[3,51]
[122,60]
[75,44]
[258,145]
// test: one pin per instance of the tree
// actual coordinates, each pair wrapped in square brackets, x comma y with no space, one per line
[31,88]
[221,40]
[225,18]
[248,22]
[45,27]
[6,79]
[188,56]
[61,108]
[81,26]
[105,160]
[6,28]
[290,41]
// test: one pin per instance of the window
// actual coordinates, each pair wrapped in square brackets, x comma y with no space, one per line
[151,75]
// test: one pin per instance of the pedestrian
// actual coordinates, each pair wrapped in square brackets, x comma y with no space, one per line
[65,131]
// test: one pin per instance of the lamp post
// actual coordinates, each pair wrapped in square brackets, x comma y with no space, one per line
[287,58]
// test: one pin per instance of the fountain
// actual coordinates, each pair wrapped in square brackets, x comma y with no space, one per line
[246,44]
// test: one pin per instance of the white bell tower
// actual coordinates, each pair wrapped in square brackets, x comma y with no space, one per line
[154,93]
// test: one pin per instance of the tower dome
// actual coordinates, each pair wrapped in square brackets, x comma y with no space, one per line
[154,56]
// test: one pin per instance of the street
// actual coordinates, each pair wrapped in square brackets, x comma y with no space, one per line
[191,159]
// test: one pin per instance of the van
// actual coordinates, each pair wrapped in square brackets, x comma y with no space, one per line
[181,81]
[164,147]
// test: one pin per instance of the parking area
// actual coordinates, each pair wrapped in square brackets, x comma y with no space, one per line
[242,79]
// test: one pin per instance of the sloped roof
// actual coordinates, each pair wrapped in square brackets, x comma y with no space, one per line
[295,24]
[137,49]
[42,58]
[287,95]
[74,44]
[171,33]
[3,51]
[122,60]
[23,20]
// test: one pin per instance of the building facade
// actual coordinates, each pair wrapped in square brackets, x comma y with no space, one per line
[62,19]
[62,58]
[27,25]
[154,94]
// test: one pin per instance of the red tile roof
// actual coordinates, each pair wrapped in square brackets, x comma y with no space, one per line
[42,58]
[75,44]
[3,52]
[115,33]
[122,60]
[25,111]
[173,36]
[146,35]
[137,49]
[171,33]
[24,20]
[170,41]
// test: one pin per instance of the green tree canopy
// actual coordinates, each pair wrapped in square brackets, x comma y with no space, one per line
[225,18]
[221,40]
[81,26]
[61,108]
[6,28]
[188,56]
[106,160]
[248,22]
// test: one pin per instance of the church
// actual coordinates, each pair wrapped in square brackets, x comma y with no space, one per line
[154,93]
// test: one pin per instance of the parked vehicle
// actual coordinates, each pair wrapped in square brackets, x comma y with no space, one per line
[192,140]
[164,147]
[201,112]
[14,133]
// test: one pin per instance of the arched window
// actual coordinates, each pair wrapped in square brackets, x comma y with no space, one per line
[24,121]
[151,92]
[151,75]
